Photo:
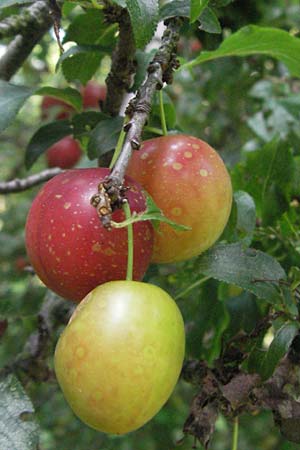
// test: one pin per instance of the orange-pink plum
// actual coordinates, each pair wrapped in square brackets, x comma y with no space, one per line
[190,183]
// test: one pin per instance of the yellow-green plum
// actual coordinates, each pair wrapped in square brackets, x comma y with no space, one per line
[120,356]
[189,182]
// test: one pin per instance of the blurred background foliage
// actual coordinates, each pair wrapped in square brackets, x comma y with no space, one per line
[246,108]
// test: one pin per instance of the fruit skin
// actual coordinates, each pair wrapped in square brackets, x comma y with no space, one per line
[67,245]
[120,356]
[92,94]
[63,110]
[64,153]
[189,182]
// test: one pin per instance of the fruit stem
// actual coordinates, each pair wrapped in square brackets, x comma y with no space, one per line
[118,148]
[154,130]
[235,434]
[191,287]
[162,113]
[126,209]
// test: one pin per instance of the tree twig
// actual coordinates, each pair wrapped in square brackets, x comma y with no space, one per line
[122,66]
[19,185]
[111,191]
[30,34]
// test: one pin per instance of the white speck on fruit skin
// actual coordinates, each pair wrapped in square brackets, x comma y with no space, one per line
[177,166]
[196,146]
[67,205]
[188,154]
[203,172]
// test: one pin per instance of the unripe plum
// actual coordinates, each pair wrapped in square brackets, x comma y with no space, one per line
[64,154]
[120,356]
[189,182]
[67,245]
[92,94]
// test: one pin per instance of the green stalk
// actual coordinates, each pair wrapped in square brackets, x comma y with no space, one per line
[235,435]
[118,148]
[154,130]
[126,209]
[191,287]
[162,113]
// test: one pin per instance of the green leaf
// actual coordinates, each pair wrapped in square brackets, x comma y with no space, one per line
[246,216]
[144,16]
[248,268]
[209,21]
[46,136]
[143,59]
[85,122]
[120,3]
[175,8]
[12,98]
[252,40]
[197,6]
[105,136]
[242,220]
[278,348]
[208,319]
[244,313]
[267,175]
[18,430]
[80,63]
[68,95]
[86,28]
[5,3]
[153,213]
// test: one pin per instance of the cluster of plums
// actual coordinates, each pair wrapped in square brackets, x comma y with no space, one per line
[120,356]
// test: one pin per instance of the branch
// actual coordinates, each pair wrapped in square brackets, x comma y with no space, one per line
[111,192]
[19,185]
[39,20]
[122,66]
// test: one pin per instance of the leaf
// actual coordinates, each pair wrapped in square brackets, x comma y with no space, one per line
[242,220]
[209,22]
[208,318]
[12,98]
[85,122]
[46,136]
[120,3]
[5,3]
[81,62]
[144,16]
[175,8]
[105,136]
[267,175]
[244,313]
[269,360]
[248,268]
[86,28]
[252,40]
[197,6]
[143,59]
[153,213]
[246,216]
[68,95]
[18,430]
